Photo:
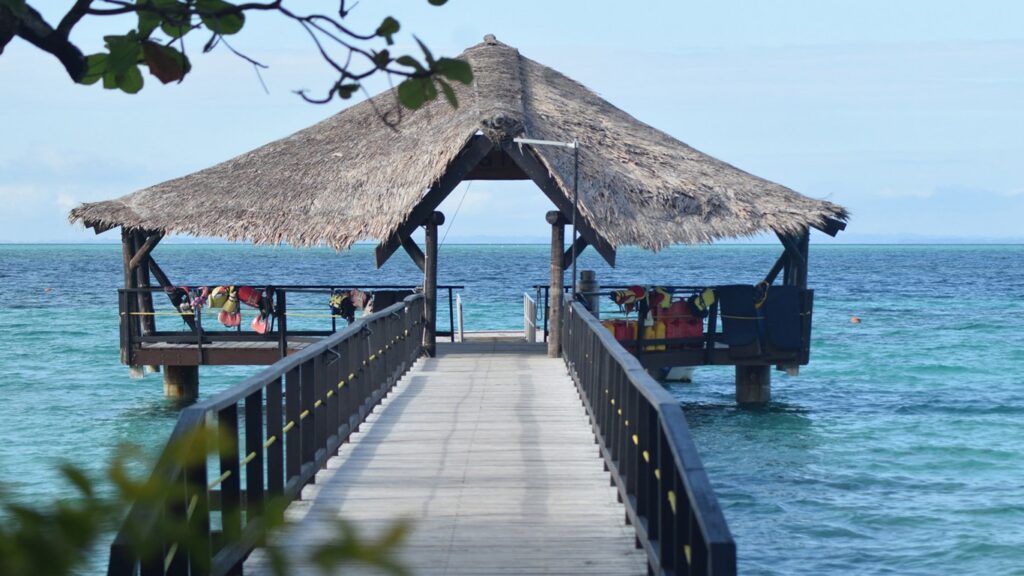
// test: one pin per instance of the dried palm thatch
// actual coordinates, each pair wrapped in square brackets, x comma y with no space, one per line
[352,178]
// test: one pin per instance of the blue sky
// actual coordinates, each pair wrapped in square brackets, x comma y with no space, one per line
[909,113]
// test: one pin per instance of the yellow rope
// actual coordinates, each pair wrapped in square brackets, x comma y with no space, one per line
[219,480]
[170,557]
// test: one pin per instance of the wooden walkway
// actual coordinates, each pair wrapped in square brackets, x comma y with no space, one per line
[488,450]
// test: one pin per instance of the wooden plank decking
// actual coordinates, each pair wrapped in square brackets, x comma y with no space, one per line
[488,450]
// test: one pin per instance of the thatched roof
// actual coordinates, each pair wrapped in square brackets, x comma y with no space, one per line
[352,178]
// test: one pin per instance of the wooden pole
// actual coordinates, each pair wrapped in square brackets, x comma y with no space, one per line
[430,284]
[753,385]
[558,222]
[140,261]
[129,323]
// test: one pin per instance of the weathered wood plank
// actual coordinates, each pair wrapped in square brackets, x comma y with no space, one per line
[492,457]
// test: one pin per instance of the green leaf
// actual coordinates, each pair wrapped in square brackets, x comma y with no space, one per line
[413,92]
[125,52]
[449,94]
[95,67]
[382,59]
[411,63]
[109,80]
[176,19]
[77,478]
[345,91]
[426,53]
[148,22]
[454,69]
[387,29]
[224,24]
[131,81]
[437,2]
[165,62]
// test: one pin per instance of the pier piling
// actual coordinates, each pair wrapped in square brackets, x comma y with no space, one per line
[753,385]
[181,382]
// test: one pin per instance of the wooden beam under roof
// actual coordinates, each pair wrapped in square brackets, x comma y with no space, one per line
[475,150]
[535,169]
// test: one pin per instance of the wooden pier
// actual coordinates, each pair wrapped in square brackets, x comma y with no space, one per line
[506,460]
[488,450]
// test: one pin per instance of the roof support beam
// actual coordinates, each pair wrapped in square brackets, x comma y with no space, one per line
[535,169]
[143,252]
[414,252]
[475,150]
[832,226]
[578,247]
[172,294]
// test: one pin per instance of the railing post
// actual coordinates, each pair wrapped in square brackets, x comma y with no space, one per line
[293,441]
[281,308]
[230,487]
[200,553]
[307,417]
[254,445]
[275,452]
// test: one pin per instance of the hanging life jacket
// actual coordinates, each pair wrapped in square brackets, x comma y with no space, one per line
[341,305]
[218,296]
[249,296]
[701,301]
[628,297]
[660,299]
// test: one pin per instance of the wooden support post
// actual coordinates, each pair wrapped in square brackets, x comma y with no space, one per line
[753,385]
[181,382]
[558,222]
[130,323]
[430,284]
[140,264]
[588,283]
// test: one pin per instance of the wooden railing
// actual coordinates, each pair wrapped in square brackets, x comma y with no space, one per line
[529,318]
[140,327]
[713,347]
[297,413]
[646,443]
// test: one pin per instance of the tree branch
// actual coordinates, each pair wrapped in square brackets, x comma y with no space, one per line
[32,28]
[77,12]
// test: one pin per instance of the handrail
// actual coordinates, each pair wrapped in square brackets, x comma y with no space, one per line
[650,453]
[529,318]
[297,412]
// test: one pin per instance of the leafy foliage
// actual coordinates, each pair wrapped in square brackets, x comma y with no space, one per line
[165,28]
[55,540]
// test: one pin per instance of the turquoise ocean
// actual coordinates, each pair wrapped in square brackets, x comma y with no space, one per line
[898,450]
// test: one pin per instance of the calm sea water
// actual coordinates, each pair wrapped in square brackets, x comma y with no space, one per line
[900,449]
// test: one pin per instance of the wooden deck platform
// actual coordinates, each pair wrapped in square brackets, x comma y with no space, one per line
[488,450]
[216,353]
